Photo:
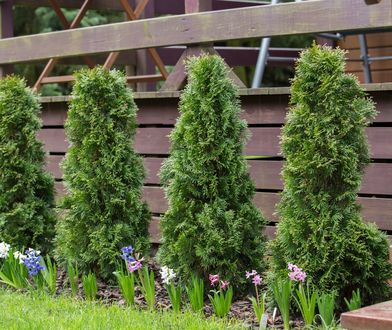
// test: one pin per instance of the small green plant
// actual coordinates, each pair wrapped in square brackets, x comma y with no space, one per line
[174,291]
[355,302]
[13,272]
[73,278]
[326,308]
[282,292]
[306,301]
[258,302]
[221,299]
[90,286]
[126,283]
[147,286]
[49,274]
[195,293]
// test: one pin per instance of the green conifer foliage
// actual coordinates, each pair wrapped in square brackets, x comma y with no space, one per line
[211,226]
[26,191]
[103,175]
[321,229]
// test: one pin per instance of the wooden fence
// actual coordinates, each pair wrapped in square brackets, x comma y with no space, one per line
[265,110]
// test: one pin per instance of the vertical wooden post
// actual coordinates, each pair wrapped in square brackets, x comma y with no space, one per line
[197,6]
[6,29]
[145,65]
[177,77]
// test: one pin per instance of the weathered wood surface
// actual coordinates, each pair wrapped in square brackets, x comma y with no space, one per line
[162,7]
[265,110]
[259,21]
[264,141]
[379,44]
[375,317]
[374,210]
[265,174]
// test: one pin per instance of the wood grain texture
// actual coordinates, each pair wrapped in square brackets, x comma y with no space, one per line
[264,141]
[374,210]
[266,174]
[375,317]
[259,21]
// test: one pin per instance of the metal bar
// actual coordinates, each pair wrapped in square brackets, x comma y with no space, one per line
[365,58]
[262,59]
[379,58]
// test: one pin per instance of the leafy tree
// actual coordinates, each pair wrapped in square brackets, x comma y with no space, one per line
[211,226]
[26,191]
[103,174]
[321,229]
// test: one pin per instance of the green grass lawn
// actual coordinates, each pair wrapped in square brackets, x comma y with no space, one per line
[35,311]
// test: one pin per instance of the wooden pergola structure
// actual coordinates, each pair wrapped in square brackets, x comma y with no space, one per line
[192,27]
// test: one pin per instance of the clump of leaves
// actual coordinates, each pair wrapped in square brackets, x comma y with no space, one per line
[103,175]
[211,225]
[26,191]
[326,151]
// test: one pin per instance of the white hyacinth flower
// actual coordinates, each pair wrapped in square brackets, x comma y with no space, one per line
[19,256]
[4,249]
[167,274]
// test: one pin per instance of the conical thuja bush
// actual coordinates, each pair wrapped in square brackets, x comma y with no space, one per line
[103,175]
[211,226]
[321,228]
[27,218]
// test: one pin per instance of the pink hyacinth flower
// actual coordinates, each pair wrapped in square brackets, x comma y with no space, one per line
[134,265]
[213,279]
[224,285]
[257,280]
[250,274]
[296,273]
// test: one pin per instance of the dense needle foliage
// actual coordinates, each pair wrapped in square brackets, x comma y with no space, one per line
[211,226]
[103,174]
[321,227]
[26,191]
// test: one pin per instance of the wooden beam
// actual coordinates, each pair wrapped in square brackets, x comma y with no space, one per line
[259,21]
[6,29]
[163,7]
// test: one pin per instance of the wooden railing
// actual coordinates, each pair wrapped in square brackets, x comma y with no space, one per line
[192,29]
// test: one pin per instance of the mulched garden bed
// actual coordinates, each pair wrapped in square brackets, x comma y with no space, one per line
[240,309]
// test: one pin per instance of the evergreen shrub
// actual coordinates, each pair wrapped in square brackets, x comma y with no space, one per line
[103,175]
[27,218]
[326,151]
[211,226]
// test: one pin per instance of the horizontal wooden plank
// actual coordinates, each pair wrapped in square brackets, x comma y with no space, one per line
[258,21]
[374,317]
[376,210]
[263,142]
[354,63]
[373,40]
[265,174]
[161,7]
[257,110]
[378,76]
